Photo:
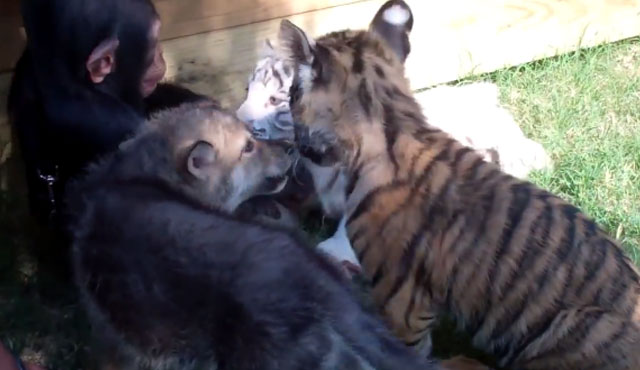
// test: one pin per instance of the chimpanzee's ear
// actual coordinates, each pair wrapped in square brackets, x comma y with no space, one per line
[393,22]
[102,60]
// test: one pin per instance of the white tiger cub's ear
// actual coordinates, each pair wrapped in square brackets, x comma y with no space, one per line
[294,43]
[393,22]
[267,50]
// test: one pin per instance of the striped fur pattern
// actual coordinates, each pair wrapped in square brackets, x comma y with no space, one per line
[266,107]
[439,230]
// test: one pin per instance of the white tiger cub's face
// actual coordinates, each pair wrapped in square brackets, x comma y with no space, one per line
[266,107]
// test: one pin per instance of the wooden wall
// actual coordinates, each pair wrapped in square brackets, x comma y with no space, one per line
[211,45]
[180,18]
[10,37]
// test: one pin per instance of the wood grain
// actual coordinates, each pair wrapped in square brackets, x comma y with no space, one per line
[10,38]
[455,39]
[179,17]
[450,40]
[183,18]
[224,58]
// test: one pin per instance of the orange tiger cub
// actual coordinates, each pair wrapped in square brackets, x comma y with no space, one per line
[438,229]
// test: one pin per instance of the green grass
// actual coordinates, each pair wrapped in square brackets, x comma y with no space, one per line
[584,108]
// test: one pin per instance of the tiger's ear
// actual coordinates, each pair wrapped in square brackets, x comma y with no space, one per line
[266,50]
[393,23]
[295,44]
[297,47]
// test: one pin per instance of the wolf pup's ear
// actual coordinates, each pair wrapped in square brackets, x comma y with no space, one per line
[295,44]
[200,159]
[393,23]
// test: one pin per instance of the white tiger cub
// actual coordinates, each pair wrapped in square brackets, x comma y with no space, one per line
[266,107]
[266,112]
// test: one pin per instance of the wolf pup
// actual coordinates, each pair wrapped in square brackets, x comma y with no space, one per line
[172,280]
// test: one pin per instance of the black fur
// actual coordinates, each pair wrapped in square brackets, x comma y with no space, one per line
[397,36]
[167,96]
[61,120]
[176,284]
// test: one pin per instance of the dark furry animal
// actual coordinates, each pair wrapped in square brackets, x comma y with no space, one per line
[167,96]
[173,281]
[64,112]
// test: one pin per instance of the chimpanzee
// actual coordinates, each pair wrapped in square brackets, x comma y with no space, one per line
[88,77]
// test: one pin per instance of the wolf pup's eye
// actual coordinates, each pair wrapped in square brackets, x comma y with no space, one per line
[248,147]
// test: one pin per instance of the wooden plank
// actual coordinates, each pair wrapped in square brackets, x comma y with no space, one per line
[10,37]
[224,58]
[450,40]
[179,17]
[182,18]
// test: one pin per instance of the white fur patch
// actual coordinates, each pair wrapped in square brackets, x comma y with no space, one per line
[396,15]
[483,124]
[338,246]
[305,74]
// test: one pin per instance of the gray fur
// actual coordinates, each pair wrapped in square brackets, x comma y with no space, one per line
[171,280]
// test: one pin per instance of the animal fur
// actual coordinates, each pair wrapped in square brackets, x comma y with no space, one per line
[439,230]
[473,115]
[172,280]
[481,124]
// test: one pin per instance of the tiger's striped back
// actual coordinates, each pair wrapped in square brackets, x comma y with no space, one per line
[439,230]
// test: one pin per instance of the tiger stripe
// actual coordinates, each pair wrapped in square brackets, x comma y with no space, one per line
[438,229]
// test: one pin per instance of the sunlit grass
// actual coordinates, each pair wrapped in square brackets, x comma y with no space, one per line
[584,108]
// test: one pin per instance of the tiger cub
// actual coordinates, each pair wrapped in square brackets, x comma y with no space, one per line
[266,113]
[266,106]
[439,230]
